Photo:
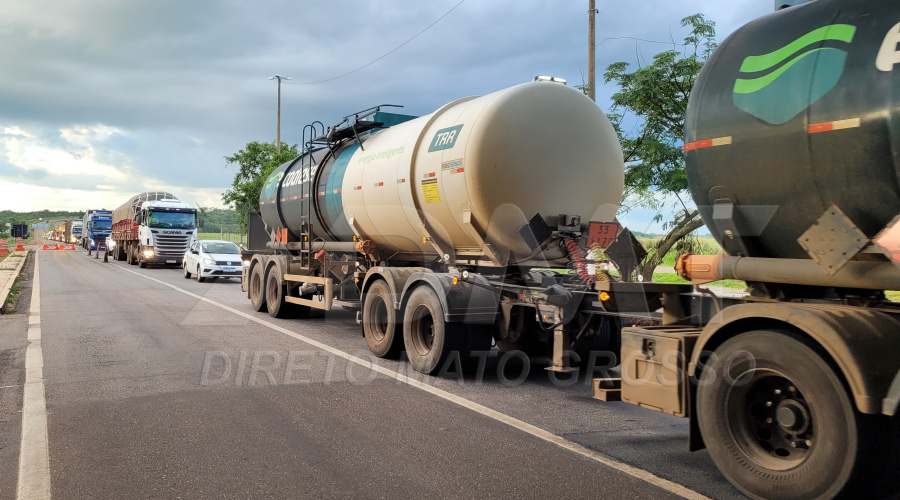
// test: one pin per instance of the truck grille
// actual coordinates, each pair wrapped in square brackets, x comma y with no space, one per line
[172,245]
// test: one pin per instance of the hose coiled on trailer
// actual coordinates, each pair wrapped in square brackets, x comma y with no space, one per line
[578,258]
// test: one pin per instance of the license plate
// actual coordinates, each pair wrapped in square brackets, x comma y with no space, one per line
[229,269]
[171,261]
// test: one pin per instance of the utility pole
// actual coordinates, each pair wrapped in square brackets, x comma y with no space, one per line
[279,78]
[592,11]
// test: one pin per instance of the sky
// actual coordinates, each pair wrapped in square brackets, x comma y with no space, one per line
[102,99]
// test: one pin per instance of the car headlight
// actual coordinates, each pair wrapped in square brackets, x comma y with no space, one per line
[209,262]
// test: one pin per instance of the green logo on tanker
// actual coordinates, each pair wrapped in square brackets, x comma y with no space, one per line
[445,138]
[272,184]
[778,86]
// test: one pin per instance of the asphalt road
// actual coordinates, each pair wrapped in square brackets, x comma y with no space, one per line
[156,389]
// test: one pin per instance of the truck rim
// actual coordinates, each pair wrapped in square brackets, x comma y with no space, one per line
[422,329]
[771,417]
[255,284]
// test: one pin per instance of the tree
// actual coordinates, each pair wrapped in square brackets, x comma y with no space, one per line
[255,162]
[656,96]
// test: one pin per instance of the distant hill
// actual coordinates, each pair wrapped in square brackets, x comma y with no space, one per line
[42,216]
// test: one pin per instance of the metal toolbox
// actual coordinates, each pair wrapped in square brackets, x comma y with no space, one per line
[654,367]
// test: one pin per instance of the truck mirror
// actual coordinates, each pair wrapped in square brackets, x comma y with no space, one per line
[138,218]
[200,223]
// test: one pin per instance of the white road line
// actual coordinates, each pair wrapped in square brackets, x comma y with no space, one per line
[34,453]
[535,431]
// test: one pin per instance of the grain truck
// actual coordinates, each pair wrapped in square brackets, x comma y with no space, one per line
[451,231]
[153,227]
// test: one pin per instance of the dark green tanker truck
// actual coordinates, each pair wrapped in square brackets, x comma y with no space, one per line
[792,143]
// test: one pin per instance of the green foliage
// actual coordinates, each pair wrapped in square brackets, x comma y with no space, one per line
[657,95]
[10,217]
[674,278]
[255,162]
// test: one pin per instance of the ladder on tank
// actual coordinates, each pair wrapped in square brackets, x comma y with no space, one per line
[307,191]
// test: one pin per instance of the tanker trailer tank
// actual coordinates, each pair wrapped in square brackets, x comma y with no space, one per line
[793,117]
[458,184]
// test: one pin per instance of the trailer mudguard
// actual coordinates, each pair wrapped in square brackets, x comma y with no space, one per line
[892,401]
[861,341]
[463,302]
[395,277]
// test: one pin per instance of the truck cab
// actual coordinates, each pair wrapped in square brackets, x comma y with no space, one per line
[166,229]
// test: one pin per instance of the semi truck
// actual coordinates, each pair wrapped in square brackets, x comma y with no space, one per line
[96,226]
[72,232]
[153,227]
[471,226]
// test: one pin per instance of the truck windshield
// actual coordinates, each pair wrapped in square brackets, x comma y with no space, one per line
[171,220]
[101,225]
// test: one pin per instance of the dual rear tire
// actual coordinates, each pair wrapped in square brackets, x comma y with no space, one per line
[778,422]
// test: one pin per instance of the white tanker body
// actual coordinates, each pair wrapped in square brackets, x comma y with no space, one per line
[458,184]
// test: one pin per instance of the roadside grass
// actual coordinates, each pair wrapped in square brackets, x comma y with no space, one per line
[674,278]
[13,293]
[232,237]
[701,245]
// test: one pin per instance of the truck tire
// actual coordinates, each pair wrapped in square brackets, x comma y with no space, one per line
[256,287]
[275,293]
[129,255]
[379,321]
[429,340]
[777,420]
[141,262]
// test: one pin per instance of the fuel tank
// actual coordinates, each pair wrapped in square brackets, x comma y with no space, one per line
[795,112]
[461,181]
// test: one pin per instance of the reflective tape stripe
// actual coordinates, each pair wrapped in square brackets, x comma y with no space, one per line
[707,143]
[835,125]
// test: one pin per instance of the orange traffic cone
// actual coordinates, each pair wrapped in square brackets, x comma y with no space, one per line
[19,246]
[3,249]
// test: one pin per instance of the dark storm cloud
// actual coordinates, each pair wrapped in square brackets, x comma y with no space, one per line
[184,82]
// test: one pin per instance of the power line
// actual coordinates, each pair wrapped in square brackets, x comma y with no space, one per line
[385,55]
[640,40]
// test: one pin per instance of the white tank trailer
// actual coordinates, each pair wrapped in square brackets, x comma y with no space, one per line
[461,182]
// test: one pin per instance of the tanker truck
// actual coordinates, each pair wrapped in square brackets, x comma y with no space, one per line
[449,232]
[153,227]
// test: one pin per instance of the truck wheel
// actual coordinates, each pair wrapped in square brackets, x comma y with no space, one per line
[379,320]
[129,255]
[275,292]
[187,274]
[257,288]
[141,262]
[428,339]
[777,419]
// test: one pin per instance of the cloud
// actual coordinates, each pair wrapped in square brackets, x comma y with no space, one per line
[103,98]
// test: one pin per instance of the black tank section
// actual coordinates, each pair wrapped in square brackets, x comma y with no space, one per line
[309,184]
[794,112]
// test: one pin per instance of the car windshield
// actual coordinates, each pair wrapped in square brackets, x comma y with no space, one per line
[101,225]
[220,247]
[171,220]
